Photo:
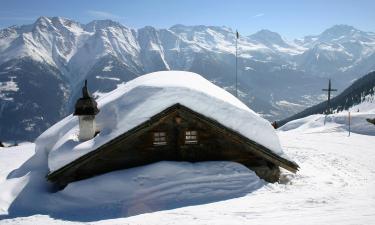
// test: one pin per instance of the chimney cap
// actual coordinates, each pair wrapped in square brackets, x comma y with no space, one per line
[86,105]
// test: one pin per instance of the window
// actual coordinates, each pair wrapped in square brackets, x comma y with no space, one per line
[191,137]
[160,138]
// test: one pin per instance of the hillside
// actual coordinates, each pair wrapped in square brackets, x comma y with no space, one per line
[361,91]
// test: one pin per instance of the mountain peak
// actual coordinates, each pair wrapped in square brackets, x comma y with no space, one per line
[181,27]
[265,32]
[268,37]
[339,30]
[42,20]
[100,24]
[339,34]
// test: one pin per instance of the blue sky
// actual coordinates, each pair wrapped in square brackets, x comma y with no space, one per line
[290,18]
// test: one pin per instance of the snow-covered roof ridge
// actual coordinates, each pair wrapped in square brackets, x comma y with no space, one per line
[138,100]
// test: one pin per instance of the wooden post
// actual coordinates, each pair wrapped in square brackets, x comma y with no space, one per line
[329,90]
[349,123]
[237,36]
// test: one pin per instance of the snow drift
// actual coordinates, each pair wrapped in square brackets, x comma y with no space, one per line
[136,101]
[340,121]
[24,191]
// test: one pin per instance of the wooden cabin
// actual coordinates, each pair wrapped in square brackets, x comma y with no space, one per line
[177,133]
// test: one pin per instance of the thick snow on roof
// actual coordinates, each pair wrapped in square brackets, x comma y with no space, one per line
[138,100]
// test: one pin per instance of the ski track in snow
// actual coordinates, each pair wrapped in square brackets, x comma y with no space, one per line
[335,185]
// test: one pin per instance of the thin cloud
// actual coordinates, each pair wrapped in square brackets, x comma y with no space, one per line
[103,15]
[258,15]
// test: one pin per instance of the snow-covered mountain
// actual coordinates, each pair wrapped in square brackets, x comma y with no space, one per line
[43,65]
[339,49]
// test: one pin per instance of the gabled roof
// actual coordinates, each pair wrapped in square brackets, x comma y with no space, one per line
[256,148]
[139,100]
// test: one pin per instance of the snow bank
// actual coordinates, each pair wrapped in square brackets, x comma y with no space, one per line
[160,186]
[12,158]
[333,122]
[136,101]
[123,193]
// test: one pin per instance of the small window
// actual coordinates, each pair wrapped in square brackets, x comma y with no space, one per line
[191,137]
[160,138]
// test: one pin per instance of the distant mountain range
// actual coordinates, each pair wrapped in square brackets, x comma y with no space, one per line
[360,91]
[43,65]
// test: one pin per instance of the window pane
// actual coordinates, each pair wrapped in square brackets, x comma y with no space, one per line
[191,137]
[160,138]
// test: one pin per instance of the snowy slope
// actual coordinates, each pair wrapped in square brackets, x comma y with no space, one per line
[140,99]
[359,101]
[367,105]
[335,122]
[358,96]
[334,186]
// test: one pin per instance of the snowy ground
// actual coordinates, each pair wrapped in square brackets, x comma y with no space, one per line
[335,184]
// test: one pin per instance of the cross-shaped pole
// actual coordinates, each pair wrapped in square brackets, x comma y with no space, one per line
[329,90]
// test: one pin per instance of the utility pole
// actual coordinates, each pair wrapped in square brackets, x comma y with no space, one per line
[237,36]
[329,90]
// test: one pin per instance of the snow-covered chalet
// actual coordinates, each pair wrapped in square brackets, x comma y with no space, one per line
[171,115]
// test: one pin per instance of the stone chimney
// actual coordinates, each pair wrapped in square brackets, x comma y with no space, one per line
[86,108]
